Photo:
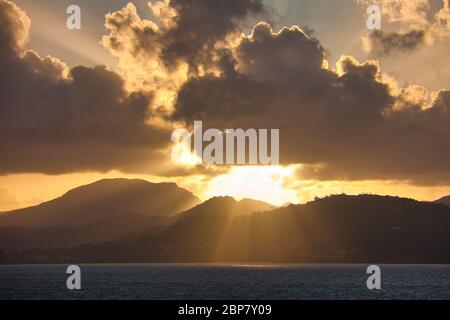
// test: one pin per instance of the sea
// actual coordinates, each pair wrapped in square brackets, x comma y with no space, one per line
[227,281]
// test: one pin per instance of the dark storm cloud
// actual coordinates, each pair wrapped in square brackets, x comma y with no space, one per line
[266,56]
[200,24]
[383,43]
[343,125]
[53,122]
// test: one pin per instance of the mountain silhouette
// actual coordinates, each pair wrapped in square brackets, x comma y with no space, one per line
[228,206]
[337,229]
[103,199]
[341,228]
[444,200]
[117,227]
[209,220]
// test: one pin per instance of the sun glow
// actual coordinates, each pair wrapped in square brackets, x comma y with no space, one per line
[182,154]
[265,183]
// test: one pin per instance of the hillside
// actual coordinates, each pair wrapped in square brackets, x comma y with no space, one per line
[340,228]
[108,229]
[347,229]
[103,199]
[117,227]
[444,200]
[337,228]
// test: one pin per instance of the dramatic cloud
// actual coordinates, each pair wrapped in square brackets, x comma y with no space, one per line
[57,120]
[441,23]
[187,31]
[14,28]
[187,39]
[420,22]
[380,43]
[200,25]
[348,124]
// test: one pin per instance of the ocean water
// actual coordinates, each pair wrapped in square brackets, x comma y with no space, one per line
[183,281]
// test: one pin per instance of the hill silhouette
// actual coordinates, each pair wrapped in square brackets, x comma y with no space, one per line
[337,228]
[341,228]
[103,199]
[444,200]
[113,227]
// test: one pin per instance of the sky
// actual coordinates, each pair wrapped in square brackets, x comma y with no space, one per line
[359,111]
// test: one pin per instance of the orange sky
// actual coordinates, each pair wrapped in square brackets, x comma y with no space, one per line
[271,185]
